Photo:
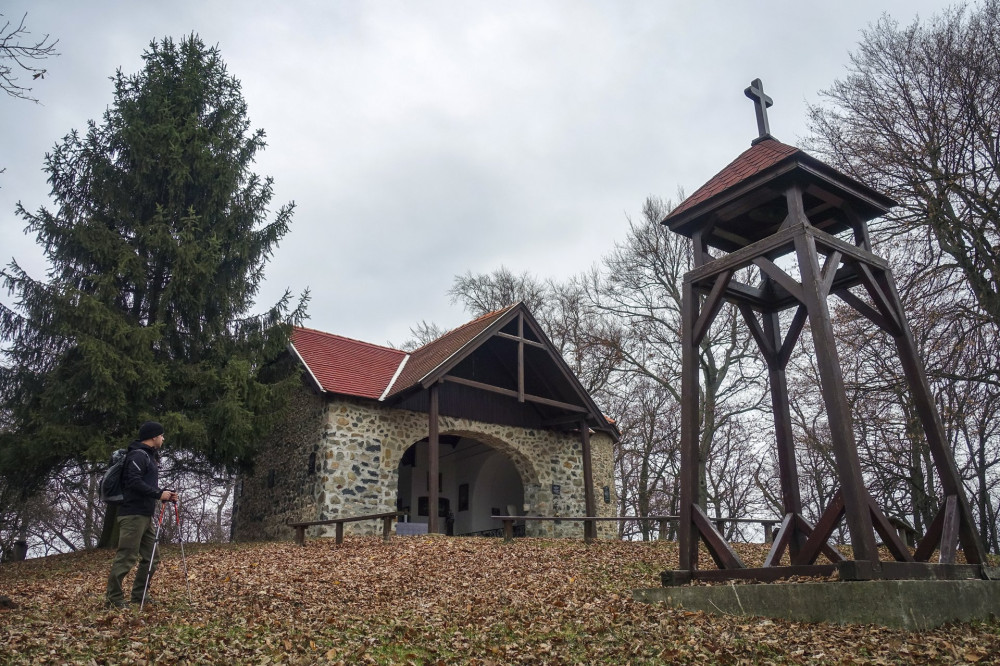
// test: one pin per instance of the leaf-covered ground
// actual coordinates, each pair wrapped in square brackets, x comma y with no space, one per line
[423,600]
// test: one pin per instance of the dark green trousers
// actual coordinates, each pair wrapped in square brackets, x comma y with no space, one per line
[136,537]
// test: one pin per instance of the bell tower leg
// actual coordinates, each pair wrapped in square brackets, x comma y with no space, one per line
[951,482]
[687,537]
[778,382]
[845,449]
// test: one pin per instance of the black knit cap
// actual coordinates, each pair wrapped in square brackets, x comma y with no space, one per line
[149,430]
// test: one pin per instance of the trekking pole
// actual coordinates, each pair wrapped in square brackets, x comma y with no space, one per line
[152,557]
[180,536]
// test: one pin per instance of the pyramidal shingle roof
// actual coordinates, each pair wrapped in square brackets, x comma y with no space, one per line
[752,161]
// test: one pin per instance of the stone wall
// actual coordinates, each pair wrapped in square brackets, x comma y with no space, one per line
[281,487]
[358,446]
[363,443]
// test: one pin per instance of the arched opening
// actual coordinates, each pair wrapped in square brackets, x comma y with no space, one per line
[475,482]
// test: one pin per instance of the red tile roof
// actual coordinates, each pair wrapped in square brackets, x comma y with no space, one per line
[343,365]
[433,354]
[757,158]
[351,367]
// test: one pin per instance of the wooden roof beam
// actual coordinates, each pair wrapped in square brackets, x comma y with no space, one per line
[537,399]
[526,341]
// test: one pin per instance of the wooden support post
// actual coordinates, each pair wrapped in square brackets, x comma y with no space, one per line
[784,438]
[433,461]
[951,482]
[831,553]
[701,255]
[781,541]
[860,227]
[949,530]
[890,538]
[768,526]
[690,412]
[300,535]
[340,532]
[590,504]
[386,527]
[508,530]
[838,411]
[520,358]
[932,537]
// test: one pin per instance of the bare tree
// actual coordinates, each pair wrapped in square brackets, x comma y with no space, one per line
[956,339]
[488,292]
[636,293]
[561,309]
[65,515]
[918,116]
[421,334]
[648,454]
[19,54]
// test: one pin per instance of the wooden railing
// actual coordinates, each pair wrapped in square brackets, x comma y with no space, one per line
[300,527]
[508,523]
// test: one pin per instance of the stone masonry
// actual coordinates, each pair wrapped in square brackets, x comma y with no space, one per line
[356,446]
[280,487]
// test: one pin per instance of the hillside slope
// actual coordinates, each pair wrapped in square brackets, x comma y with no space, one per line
[422,600]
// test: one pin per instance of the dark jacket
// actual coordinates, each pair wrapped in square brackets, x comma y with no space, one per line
[140,479]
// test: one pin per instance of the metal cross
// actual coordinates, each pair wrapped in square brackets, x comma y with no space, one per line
[760,104]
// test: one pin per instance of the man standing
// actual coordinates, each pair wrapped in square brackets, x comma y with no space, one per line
[136,535]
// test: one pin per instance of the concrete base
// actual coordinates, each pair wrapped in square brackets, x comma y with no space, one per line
[900,604]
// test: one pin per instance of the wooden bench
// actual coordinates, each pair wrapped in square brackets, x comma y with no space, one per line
[300,527]
[508,523]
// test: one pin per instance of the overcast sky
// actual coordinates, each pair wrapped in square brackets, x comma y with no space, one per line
[420,140]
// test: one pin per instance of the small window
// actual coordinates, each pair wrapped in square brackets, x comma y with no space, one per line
[312,463]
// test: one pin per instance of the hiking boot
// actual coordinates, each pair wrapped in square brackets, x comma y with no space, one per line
[149,602]
[117,605]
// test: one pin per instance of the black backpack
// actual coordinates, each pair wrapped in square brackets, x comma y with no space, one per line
[110,485]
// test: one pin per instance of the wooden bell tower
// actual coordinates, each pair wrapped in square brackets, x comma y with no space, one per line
[772,205]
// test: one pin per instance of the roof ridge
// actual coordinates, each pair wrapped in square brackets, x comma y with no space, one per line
[439,351]
[466,325]
[344,337]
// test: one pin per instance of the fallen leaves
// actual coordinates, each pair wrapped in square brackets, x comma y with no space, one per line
[422,601]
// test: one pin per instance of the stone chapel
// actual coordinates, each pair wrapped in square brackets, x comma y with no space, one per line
[490,409]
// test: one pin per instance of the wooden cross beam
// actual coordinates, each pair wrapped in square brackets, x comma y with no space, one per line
[760,103]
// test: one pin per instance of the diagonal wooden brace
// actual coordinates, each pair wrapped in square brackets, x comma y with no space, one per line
[725,557]
[889,535]
[816,542]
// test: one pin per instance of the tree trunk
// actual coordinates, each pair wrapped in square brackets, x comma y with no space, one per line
[109,531]
[19,548]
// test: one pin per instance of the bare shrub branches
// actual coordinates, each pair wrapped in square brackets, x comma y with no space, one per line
[20,54]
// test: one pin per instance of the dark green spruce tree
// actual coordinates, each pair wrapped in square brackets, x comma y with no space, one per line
[156,247]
